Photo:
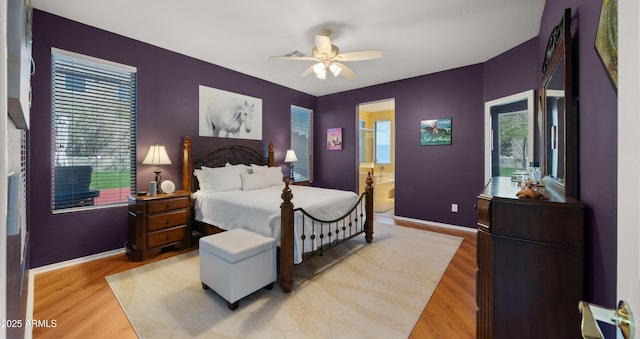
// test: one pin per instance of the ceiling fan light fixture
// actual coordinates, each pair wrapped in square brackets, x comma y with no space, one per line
[326,56]
[320,71]
[335,69]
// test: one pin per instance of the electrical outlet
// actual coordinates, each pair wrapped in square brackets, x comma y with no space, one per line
[454,208]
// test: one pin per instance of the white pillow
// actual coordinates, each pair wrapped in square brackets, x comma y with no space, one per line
[253,181]
[221,179]
[199,174]
[241,166]
[274,176]
[259,168]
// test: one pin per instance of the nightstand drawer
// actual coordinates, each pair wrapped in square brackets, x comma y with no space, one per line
[166,220]
[157,239]
[167,204]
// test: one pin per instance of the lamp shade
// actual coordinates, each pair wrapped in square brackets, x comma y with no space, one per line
[291,156]
[157,156]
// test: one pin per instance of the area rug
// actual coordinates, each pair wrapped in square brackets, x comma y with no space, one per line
[354,290]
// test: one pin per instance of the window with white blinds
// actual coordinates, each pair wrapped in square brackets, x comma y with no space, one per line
[302,142]
[94,123]
[383,141]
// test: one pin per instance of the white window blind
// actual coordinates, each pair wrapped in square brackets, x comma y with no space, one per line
[94,122]
[302,142]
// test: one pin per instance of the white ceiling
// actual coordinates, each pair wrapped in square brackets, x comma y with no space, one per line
[416,37]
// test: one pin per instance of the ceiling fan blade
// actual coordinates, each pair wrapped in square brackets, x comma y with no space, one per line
[323,44]
[306,72]
[360,55]
[303,58]
[346,71]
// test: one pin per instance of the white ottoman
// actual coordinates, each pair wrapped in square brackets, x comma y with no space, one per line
[237,263]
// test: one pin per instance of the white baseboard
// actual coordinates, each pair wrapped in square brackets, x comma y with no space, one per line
[28,334]
[72,262]
[439,224]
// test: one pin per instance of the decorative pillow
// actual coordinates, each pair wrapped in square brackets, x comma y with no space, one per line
[259,167]
[220,179]
[199,174]
[253,181]
[274,176]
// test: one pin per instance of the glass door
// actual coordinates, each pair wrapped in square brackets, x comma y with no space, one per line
[508,130]
[510,143]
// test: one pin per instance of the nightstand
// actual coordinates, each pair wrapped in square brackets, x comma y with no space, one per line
[158,222]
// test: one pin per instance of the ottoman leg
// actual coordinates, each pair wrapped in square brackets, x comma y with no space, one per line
[269,287]
[205,286]
[233,306]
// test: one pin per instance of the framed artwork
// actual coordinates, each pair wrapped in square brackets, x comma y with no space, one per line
[334,139]
[435,132]
[607,38]
[229,115]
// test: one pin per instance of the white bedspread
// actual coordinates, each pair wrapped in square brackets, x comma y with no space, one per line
[259,210]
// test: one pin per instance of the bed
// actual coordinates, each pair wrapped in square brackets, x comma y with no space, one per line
[237,187]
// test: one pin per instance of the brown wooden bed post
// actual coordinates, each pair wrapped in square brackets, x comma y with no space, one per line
[368,233]
[271,161]
[187,166]
[285,275]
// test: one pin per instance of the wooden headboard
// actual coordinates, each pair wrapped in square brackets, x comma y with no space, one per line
[234,154]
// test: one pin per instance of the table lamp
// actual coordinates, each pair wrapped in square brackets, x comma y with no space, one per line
[291,158]
[157,156]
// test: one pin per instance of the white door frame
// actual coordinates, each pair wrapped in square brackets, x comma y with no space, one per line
[3,167]
[628,262]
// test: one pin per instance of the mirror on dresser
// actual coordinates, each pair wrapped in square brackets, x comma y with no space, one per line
[559,156]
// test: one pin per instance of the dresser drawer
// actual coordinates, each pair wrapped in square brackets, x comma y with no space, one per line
[165,220]
[167,204]
[157,239]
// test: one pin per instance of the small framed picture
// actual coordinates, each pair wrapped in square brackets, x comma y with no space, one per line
[334,139]
[435,132]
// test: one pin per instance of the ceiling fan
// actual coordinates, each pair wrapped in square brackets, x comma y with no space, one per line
[327,56]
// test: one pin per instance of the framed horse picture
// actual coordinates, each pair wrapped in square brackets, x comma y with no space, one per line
[226,114]
[435,132]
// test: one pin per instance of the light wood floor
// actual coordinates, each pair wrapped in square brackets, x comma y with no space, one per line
[81,302]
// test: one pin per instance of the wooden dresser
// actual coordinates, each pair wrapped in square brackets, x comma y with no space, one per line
[530,264]
[158,222]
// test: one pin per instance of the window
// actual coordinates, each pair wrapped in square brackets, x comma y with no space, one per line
[302,143]
[383,141]
[94,131]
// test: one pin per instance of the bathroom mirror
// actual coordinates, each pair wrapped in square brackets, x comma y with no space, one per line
[559,133]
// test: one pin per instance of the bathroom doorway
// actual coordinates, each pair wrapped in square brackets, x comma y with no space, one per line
[376,152]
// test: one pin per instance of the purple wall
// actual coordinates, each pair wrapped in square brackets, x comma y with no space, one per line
[428,178]
[167,111]
[513,71]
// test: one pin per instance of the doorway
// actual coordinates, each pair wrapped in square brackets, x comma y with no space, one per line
[376,152]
